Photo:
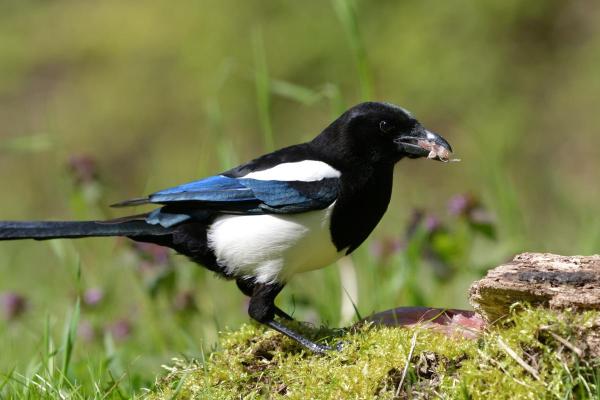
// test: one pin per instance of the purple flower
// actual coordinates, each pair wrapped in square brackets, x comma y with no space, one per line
[13,305]
[184,301]
[481,216]
[414,223]
[419,219]
[93,296]
[86,331]
[461,204]
[154,253]
[384,248]
[121,329]
[432,224]
[83,168]
[470,208]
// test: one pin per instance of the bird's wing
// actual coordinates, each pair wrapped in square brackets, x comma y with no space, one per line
[247,195]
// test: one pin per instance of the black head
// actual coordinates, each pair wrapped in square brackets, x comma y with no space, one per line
[378,133]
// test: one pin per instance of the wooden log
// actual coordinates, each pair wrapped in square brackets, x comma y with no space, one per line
[451,322]
[540,279]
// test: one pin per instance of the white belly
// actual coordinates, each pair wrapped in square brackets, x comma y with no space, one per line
[272,248]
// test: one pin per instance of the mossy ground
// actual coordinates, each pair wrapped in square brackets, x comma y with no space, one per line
[258,363]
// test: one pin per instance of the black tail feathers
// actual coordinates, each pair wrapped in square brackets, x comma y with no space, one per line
[41,230]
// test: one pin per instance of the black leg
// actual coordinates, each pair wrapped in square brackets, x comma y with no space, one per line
[262,310]
[246,286]
[282,314]
[309,344]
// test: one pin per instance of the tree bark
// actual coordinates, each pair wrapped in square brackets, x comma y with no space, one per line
[540,279]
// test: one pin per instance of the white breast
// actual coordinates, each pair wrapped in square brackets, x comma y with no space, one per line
[272,248]
[307,171]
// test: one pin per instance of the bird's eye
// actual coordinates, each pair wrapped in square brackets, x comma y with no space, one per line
[385,126]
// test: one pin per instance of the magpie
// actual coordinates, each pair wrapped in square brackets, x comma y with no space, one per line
[296,209]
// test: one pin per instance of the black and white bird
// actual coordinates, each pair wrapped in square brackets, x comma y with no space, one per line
[297,209]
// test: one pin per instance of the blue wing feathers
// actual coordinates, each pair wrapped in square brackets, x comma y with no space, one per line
[218,182]
[271,196]
[213,189]
[239,196]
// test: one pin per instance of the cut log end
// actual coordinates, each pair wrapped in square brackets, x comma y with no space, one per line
[540,279]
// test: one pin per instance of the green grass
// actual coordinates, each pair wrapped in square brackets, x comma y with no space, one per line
[517,359]
[263,89]
[346,12]
[161,95]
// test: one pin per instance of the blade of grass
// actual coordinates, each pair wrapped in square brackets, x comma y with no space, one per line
[336,100]
[35,143]
[69,341]
[263,89]
[349,283]
[179,386]
[346,12]
[225,150]
[413,344]
[354,306]
[114,386]
[597,382]
[7,378]
[48,353]
[508,350]
[295,92]
[464,391]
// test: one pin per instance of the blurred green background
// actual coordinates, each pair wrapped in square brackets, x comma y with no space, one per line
[103,101]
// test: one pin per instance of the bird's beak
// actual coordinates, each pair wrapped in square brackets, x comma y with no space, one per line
[423,143]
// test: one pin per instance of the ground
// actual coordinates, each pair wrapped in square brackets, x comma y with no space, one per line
[534,354]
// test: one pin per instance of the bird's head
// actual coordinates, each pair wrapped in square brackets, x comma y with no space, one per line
[382,133]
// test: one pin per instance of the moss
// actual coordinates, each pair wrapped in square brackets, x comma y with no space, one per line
[531,355]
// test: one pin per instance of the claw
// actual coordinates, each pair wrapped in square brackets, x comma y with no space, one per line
[339,346]
[322,348]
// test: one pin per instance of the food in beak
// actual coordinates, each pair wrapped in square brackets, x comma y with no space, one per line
[436,151]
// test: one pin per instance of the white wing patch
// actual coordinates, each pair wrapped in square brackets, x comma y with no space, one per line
[306,171]
[271,248]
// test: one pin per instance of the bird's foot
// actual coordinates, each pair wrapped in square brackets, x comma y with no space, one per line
[322,348]
[305,342]
[339,346]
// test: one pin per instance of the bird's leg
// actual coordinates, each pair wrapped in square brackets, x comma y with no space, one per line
[262,309]
[309,344]
[246,286]
[282,314]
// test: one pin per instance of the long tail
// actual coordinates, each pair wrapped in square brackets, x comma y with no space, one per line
[42,230]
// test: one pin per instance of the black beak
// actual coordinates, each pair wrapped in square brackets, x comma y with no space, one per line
[423,143]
